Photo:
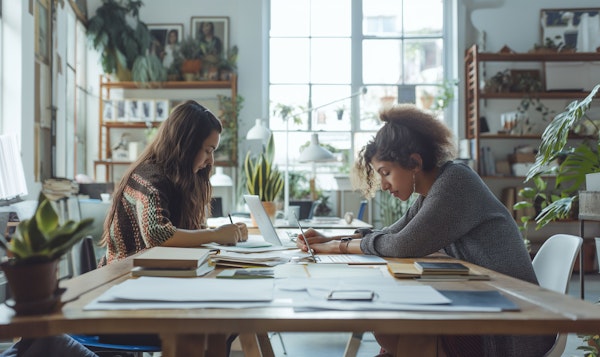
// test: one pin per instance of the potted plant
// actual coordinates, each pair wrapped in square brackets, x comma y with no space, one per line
[189,53]
[263,178]
[119,43]
[34,252]
[148,70]
[578,161]
[228,65]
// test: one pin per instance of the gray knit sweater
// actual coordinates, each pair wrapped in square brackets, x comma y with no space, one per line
[461,217]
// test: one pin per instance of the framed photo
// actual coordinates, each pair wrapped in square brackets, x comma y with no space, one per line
[120,110]
[213,32]
[147,110]
[165,41]
[42,30]
[161,109]
[132,107]
[108,110]
[574,29]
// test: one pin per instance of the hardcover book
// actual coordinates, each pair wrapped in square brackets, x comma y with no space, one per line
[441,268]
[172,258]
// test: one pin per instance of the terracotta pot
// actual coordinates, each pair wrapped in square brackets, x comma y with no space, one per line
[270,208]
[191,66]
[33,287]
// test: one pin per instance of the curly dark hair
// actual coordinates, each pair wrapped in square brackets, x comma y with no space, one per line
[407,130]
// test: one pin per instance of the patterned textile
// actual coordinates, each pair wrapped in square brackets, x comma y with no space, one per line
[147,214]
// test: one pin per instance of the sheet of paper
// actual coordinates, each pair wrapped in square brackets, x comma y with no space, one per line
[190,290]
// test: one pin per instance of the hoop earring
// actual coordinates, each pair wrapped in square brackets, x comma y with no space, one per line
[414,184]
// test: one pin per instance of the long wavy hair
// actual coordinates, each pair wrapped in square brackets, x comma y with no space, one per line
[174,148]
[406,130]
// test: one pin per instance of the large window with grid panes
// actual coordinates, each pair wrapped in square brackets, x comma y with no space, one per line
[336,63]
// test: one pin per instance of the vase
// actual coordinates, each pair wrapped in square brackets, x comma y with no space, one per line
[33,286]
[271,210]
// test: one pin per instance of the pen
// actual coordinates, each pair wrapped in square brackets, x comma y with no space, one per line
[230,219]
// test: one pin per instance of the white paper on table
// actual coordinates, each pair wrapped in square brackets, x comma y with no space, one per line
[190,290]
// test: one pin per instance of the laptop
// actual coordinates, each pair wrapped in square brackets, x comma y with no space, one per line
[265,226]
[354,259]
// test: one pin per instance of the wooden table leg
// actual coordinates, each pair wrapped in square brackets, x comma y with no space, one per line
[184,345]
[409,346]
[265,345]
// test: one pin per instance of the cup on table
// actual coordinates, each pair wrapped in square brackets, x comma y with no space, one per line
[293,213]
[105,197]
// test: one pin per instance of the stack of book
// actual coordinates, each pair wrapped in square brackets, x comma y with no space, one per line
[434,271]
[172,262]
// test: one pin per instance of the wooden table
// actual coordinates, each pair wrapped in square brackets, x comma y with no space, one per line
[190,332]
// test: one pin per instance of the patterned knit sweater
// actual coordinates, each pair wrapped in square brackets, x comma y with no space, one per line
[147,214]
[463,218]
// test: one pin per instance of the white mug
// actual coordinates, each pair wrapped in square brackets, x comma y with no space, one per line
[293,214]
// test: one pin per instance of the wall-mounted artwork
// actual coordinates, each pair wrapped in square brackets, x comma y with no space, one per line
[42,30]
[574,28]
[161,109]
[213,33]
[165,41]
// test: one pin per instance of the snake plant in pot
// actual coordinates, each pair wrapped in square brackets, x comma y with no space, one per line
[34,252]
[263,178]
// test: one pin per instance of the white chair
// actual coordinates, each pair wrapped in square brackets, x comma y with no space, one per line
[553,266]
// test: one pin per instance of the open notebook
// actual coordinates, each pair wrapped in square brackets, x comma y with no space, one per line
[341,258]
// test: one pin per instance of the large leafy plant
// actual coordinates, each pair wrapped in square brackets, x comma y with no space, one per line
[578,161]
[42,238]
[119,42]
[262,176]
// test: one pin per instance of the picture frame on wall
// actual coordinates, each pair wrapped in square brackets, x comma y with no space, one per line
[161,109]
[147,110]
[165,41]
[108,110]
[120,110]
[42,31]
[132,106]
[212,32]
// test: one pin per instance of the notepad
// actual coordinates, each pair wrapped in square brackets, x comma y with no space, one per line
[438,268]
[249,273]
[409,271]
[172,258]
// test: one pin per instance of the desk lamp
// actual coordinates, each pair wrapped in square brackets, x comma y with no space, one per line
[315,153]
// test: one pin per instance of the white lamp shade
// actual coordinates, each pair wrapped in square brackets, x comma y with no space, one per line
[220,179]
[315,152]
[259,132]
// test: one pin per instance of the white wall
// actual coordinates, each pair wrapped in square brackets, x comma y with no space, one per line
[247,29]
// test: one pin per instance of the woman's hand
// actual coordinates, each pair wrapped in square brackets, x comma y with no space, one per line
[318,242]
[229,234]
[243,230]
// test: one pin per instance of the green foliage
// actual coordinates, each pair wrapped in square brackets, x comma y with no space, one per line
[119,43]
[229,112]
[262,177]
[42,238]
[445,95]
[286,112]
[189,49]
[299,185]
[591,347]
[230,62]
[392,208]
[578,161]
[147,69]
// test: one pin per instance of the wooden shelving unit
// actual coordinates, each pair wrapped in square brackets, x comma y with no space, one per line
[105,127]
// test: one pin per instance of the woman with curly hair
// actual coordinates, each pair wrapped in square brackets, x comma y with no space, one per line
[455,213]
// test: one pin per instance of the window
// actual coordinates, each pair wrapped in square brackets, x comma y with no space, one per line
[337,62]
